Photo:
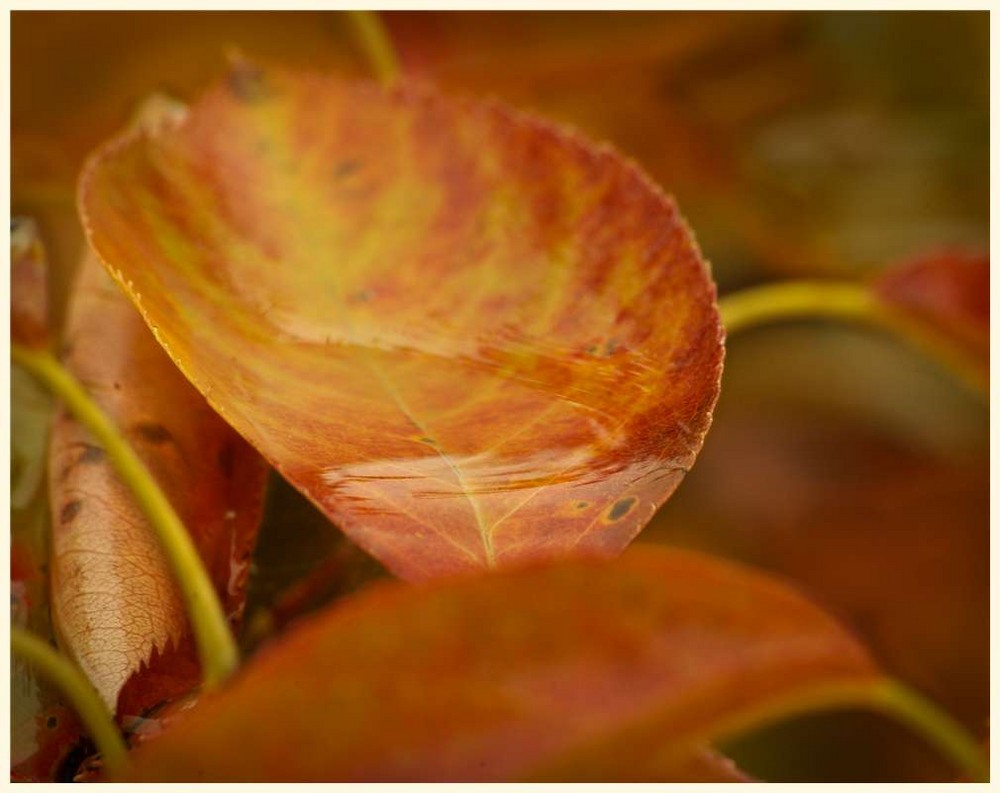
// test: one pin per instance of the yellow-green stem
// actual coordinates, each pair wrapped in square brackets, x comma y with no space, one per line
[884,695]
[936,726]
[216,646]
[852,303]
[375,41]
[888,697]
[78,690]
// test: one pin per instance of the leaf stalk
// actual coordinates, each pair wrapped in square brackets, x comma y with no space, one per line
[377,45]
[886,696]
[851,303]
[78,690]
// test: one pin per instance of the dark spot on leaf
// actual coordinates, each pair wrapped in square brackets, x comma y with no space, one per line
[91,454]
[346,168]
[582,504]
[227,460]
[425,439]
[246,82]
[52,722]
[153,432]
[118,386]
[70,511]
[621,508]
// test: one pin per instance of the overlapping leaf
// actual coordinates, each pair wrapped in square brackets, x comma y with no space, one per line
[115,602]
[470,337]
[528,672]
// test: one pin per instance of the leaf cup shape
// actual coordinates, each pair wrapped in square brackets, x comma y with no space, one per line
[472,338]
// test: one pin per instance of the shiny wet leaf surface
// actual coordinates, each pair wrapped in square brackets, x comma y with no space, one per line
[470,337]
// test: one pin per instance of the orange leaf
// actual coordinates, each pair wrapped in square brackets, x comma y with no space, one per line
[115,604]
[468,336]
[503,676]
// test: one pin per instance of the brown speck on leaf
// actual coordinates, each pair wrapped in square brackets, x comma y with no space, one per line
[246,82]
[90,454]
[153,432]
[227,460]
[622,508]
[346,168]
[70,511]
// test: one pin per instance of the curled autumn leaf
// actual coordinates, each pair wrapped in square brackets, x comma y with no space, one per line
[524,673]
[470,337]
[115,603]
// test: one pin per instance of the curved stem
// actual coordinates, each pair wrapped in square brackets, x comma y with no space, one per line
[216,646]
[375,41]
[77,689]
[851,303]
[936,726]
[883,695]
[876,693]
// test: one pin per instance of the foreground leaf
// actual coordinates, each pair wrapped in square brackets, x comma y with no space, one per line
[503,676]
[115,604]
[469,337]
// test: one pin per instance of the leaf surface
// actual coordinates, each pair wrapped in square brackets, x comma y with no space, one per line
[470,337]
[950,291]
[503,676]
[115,605]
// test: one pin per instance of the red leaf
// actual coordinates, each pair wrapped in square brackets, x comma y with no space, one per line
[949,291]
[578,669]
